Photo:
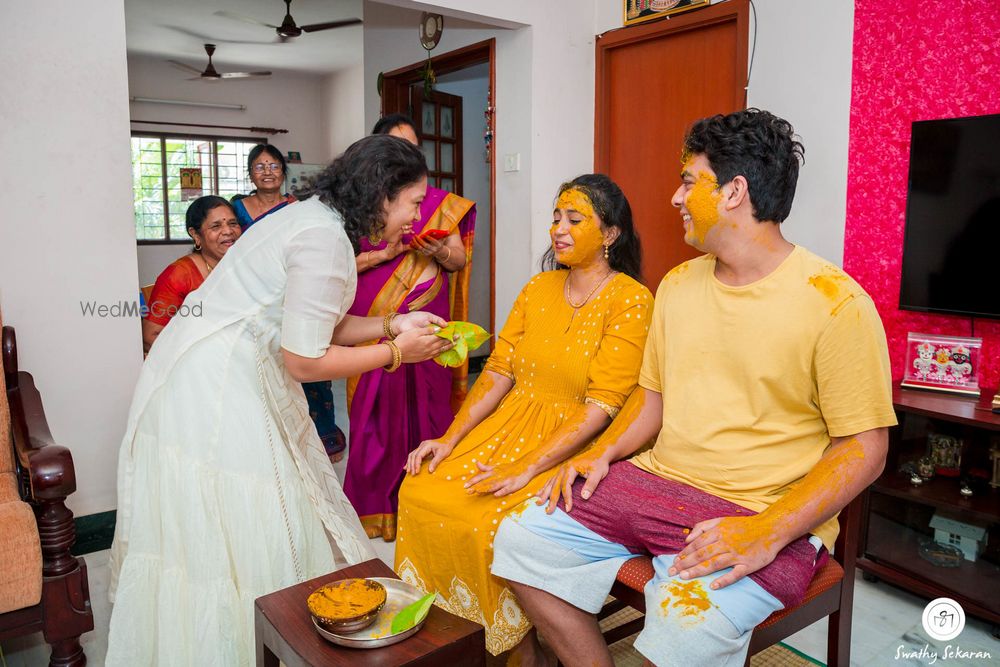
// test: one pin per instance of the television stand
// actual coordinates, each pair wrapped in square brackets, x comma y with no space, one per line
[896,525]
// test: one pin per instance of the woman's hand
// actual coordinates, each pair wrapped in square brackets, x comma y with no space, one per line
[591,463]
[437,449]
[427,245]
[421,344]
[392,249]
[500,480]
[416,320]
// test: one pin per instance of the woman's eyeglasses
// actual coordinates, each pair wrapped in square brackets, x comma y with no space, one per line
[270,166]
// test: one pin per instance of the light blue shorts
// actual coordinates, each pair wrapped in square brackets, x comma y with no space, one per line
[687,623]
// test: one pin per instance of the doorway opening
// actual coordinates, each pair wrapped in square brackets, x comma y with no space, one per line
[453,119]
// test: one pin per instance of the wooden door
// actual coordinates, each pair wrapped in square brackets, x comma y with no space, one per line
[439,120]
[653,81]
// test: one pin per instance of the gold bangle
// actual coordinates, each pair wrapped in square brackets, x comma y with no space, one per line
[442,261]
[387,326]
[397,357]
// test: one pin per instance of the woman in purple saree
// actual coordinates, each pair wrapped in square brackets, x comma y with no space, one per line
[391,413]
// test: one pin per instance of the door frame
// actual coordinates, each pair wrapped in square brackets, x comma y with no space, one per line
[395,95]
[734,10]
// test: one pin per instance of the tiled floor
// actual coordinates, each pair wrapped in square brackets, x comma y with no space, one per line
[883,615]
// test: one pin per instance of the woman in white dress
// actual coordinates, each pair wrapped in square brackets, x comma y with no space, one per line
[225,492]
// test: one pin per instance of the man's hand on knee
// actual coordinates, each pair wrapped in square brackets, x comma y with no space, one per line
[745,544]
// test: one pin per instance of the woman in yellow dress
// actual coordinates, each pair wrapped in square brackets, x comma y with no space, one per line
[564,363]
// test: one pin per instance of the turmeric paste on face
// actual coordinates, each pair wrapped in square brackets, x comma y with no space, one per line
[347,599]
[703,205]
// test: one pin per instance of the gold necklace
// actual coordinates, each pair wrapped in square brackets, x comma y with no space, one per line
[207,265]
[577,306]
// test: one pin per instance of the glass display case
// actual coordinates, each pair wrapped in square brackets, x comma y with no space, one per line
[932,520]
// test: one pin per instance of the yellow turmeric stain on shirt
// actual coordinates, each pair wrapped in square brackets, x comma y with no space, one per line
[828,284]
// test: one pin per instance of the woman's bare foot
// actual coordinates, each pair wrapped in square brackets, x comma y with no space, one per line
[338,457]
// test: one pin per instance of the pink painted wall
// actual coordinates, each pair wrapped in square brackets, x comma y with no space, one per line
[913,60]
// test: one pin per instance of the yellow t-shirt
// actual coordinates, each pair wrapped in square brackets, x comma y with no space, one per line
[756,379]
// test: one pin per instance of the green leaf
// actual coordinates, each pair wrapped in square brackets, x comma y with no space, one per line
[413,614]
[470,336]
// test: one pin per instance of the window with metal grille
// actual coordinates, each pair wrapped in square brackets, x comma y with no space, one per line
[211,166]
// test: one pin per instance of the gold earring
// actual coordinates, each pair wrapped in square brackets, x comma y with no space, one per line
[375,237]
[606,246]
[197,247]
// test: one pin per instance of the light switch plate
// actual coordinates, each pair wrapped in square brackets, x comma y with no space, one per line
[512,162]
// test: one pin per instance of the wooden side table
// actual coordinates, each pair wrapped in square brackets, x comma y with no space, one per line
[284,631]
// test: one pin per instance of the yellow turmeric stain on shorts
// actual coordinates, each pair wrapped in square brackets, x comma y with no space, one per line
[690,597]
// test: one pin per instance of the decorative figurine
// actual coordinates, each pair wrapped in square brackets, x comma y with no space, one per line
[925,467]
[946,453]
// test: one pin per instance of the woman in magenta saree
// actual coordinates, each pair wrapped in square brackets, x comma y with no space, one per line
[391,413]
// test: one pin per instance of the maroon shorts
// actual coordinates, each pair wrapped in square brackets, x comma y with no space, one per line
[651,515]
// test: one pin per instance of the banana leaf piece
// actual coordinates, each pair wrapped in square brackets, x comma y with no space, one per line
[470,336]
[412,614]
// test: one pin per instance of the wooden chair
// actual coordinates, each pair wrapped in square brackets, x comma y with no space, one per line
[830,594]
[42,586]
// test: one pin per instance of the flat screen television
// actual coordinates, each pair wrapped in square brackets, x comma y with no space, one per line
[951,247]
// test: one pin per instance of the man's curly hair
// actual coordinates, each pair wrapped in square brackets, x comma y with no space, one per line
[760,147]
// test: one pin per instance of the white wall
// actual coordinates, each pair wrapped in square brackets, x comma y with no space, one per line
[813,93]
[323,115]
[801,71]
[343,110]
[544,105]
[68,233]
[472,85]
[288,101]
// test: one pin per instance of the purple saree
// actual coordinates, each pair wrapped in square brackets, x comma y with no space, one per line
[391,413]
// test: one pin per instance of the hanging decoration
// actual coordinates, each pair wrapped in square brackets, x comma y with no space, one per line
[488,132]
[431,27]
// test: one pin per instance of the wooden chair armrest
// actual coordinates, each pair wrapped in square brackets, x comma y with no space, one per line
[47,467]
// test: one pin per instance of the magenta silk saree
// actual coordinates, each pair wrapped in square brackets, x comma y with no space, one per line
[391,413]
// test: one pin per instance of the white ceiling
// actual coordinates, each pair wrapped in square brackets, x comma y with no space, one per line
[178,30]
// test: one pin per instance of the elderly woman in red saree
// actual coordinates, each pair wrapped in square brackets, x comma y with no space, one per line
[390,414]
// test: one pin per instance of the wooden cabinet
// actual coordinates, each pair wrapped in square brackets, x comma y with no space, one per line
[898,514]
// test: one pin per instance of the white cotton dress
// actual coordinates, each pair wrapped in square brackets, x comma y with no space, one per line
[225,492]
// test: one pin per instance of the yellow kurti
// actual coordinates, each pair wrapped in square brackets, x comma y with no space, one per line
[558,358]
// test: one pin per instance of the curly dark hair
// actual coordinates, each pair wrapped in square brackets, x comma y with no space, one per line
[760,147]
[612,207]
[358,183]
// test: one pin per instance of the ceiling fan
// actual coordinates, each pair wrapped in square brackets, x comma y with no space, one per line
[288,30]
[211,74]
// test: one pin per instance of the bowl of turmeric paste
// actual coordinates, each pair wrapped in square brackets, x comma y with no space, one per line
[348,605]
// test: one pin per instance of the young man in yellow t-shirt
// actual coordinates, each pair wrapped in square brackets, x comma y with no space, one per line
[766,386]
